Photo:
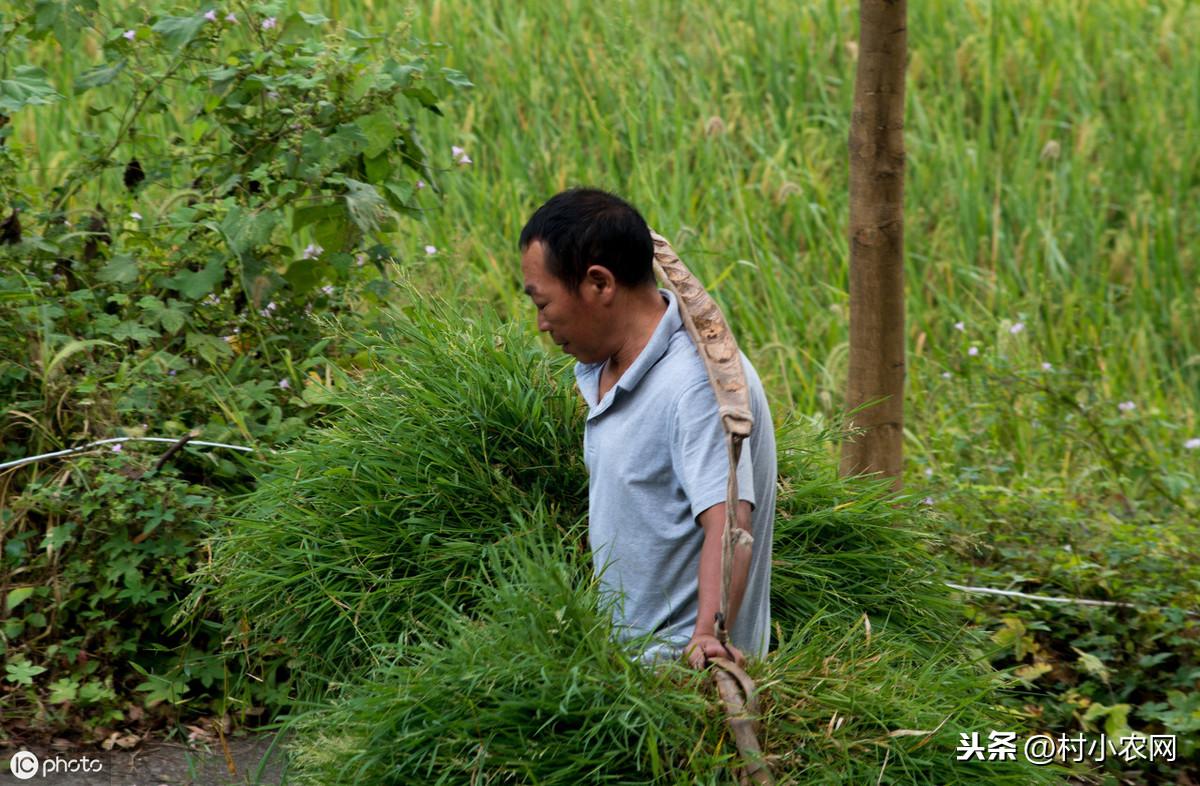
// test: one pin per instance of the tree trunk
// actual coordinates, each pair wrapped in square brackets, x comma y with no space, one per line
[877,242]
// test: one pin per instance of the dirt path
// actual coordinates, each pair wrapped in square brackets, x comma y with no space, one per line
[154,764]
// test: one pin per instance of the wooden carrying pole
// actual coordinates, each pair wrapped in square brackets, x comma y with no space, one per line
[714,341]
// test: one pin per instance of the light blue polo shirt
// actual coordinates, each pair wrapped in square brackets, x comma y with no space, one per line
[656,458]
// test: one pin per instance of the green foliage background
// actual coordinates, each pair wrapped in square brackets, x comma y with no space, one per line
[1054,152]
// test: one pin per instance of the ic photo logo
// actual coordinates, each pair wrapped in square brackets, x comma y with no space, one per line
[24,765]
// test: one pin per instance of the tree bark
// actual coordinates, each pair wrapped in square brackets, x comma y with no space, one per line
[877,364]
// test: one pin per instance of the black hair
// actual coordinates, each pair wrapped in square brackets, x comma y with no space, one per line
[582,227]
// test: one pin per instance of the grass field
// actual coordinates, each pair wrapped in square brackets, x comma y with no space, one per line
[1054,153]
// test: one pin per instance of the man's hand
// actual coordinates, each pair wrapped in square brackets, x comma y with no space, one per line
[704,646]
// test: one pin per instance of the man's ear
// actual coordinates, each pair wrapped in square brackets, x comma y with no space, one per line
[601,282]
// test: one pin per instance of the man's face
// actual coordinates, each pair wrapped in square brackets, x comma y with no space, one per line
[573,319]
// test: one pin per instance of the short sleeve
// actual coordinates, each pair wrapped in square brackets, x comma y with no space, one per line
[698,452]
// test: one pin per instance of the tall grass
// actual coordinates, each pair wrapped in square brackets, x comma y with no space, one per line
[1054,152]
[421,554]
[533,689]
[464,430]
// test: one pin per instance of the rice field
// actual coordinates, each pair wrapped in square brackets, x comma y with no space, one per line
[1054,152]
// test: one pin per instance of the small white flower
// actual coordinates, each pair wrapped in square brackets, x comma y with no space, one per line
[1067,547]
[129,35]
[284,384]
[430,250]
[270,307]
[1127,406]
[273,95]
[116,448]
[210,15]
[136,216]
[1017,328]
[327,289]
[973,351]
[230,18]
[360,260]
[929,472]
[1192,443]
[456,151]
[1047,367]
[946,375]
[312,251]
[464,159]
[268,23]
[927,501]
[960,326]
[420,184]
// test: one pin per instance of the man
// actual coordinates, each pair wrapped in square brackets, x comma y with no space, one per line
[653,443]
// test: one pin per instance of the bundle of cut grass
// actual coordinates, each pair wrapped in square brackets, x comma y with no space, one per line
[424,551]
[532,689]
[845,547]
[464,426]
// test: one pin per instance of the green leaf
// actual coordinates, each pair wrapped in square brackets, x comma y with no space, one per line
[194,285]
[298,26]
[305,216]
[121,269]
[424,96]
[159,689]
[245,229]
[27,86]
[98,76]
[367,208]
[132,329]
[63,690]
[172,319]
[17,596]
[208,347]
[65,18]
[22,672]
[1092,665]
[380,130]
[304,274]
[457,78]
[57,536]
[178,31]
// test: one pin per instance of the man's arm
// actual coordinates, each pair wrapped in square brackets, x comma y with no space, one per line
[704,642]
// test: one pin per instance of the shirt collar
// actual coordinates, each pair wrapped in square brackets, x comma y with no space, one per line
[588,374]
